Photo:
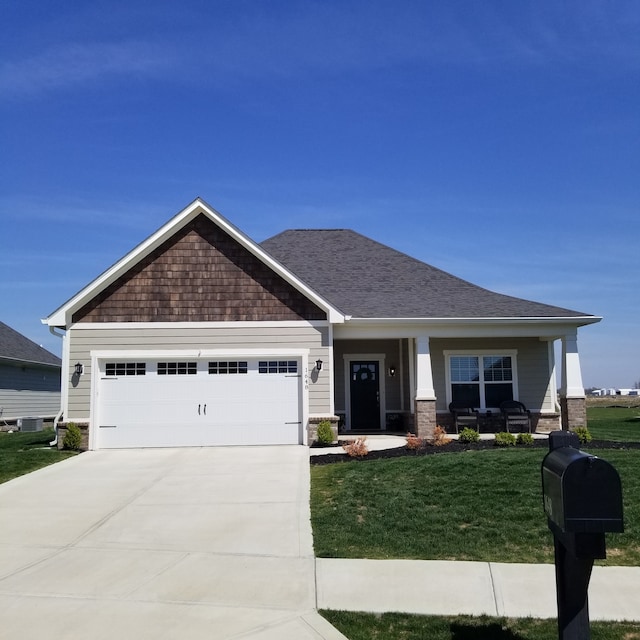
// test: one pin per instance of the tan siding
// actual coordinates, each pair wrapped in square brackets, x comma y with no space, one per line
[82,341]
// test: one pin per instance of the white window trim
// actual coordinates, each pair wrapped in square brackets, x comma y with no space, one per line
[512,353]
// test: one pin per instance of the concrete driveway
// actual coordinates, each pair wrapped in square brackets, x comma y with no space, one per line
[161,543]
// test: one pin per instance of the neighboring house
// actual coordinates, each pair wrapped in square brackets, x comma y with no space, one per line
[29,378]
[201,336]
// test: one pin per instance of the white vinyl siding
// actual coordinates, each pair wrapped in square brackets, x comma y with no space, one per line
[29,390]
[84,340]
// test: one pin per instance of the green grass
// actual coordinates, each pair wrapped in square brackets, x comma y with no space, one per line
[621,424]
[22,453]
[479,505]
[399,626]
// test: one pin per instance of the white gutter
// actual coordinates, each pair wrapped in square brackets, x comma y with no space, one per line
[54,442]
[484,320]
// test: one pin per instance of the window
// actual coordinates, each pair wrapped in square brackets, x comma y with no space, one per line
[125,368]
[278,366]
[227,367]
[177,368]
[482,381]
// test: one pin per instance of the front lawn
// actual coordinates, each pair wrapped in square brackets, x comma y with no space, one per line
[401,626]
[478,505]
[22,453]
[617,423]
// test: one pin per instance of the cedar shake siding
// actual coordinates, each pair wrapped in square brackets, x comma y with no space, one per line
[201,274]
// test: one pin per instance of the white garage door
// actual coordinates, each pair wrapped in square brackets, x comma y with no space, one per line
[171,403]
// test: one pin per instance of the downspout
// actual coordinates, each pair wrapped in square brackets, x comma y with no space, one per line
[54,442]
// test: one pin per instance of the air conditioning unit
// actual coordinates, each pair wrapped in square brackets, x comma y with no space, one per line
[30,424]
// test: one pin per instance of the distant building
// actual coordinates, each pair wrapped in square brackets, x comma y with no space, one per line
[29,378]
[615,392]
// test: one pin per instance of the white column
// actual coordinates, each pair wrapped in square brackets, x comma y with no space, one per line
[424,374]
[572,386]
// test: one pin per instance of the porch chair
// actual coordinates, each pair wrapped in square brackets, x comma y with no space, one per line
[464,416]
[515,414]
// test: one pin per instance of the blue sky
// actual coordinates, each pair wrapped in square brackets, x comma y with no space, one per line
[497,140]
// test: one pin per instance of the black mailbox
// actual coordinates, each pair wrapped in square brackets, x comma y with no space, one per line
[581,493]
[582,497]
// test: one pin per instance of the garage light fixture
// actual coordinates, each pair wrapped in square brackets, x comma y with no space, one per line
[392,371]
[79,370]
[319,365]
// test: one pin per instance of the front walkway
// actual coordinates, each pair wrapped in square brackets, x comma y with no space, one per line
[380,441]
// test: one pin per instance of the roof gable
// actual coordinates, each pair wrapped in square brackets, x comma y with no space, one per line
[116,275]
[200,274]
[15,346]
[370,280]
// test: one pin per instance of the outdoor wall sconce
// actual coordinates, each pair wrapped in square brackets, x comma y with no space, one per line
[79,370]
[392,371]
[319,365]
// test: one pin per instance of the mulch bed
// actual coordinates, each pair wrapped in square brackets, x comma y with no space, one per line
[453,447]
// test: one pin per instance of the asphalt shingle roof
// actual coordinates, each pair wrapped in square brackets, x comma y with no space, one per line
[366,279]
[15,346]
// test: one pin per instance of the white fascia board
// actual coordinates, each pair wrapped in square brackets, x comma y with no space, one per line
[572,320]
[61,317]
[460,327]
[243,324]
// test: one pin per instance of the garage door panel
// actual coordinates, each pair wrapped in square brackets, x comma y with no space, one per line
[153,410]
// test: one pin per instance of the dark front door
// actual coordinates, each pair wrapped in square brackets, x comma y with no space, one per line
[365,395]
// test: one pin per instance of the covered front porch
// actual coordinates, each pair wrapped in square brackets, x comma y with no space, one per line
[388,382]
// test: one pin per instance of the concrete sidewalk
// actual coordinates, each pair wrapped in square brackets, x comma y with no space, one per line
[433,587]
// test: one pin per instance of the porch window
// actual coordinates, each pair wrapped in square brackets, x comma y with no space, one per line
[482,381]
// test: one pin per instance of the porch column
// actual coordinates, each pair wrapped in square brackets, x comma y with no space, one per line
[572,397]
[425,398]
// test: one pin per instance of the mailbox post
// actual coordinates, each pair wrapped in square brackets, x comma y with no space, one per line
[582,497]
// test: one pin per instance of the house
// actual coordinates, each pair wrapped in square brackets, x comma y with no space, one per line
[29,378]
[201,336]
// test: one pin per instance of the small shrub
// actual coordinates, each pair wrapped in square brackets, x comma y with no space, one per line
[73,437]
[440,437]
[325,432]
[468,435]
[357,448]
[505,439]
[584,435]
[414,442]
[525,439]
